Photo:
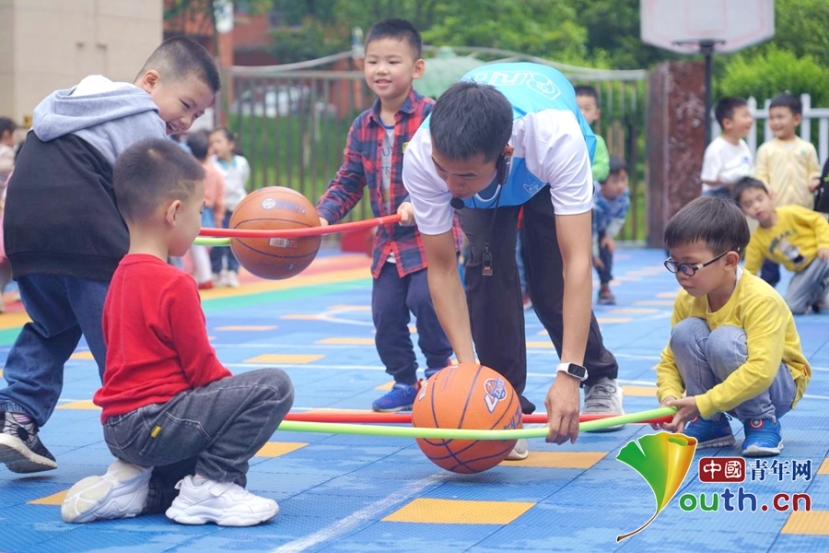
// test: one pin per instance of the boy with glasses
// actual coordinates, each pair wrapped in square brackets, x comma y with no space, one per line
[734,347]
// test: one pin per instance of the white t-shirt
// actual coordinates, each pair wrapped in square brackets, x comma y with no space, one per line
[725,162]
[236,174]
[549,149]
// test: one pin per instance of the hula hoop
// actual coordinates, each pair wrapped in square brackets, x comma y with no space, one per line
[299,232]
[464,434]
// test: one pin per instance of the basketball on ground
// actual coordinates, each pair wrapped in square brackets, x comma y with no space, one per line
[467,396]
[275,208]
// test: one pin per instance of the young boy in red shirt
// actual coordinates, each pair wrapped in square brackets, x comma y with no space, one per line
[175,418]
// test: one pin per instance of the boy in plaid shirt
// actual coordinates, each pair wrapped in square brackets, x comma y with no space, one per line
[373,157]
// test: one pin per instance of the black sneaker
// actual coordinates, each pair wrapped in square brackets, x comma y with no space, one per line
[606,297]
[20,448]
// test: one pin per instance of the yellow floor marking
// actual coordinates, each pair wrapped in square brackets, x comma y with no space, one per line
[613,320]
[301,317]
[284,358]
[453,511]
[347,341]
[275,449]
[81,355]
[412,329]
[667,295]
[13,320]
[639,391]
[824,467]
[558,459]
[85,404]
[386,386]
[1,373]
[246,328]
[814,523]
[540,345]
[54,499]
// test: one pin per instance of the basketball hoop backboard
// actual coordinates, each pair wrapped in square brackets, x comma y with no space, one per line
[726,25]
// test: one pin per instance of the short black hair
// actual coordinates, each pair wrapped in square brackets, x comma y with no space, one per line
[716,221]
[470,119]
[744,184]
[7,125]
[399,29]
[725,108]
[787,100]
[199,144]
[584,90]
[228,134]
[179,57]
[617,164]
[151,172]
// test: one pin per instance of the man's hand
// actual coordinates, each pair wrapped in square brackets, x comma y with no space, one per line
[562,405]
[406,212]
[609,243]
[823,253]
[597,262]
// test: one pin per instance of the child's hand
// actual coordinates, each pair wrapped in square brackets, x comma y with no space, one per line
[323,222]
[406,212]
[823,253]
[597,262]
[663,425]
[686,411]
[814,183]
[609,243]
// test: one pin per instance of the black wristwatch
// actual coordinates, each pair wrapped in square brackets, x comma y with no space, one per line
[576,371]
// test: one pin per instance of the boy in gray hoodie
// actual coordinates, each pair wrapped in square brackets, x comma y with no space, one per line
[64,235]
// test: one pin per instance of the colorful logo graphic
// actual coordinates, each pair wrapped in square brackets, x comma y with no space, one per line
[663,460]
[496,390]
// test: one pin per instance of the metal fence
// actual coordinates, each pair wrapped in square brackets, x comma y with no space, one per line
[292,120]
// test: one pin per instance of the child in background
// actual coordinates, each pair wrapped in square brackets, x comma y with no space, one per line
[787,165]
[181,426]
[727,159]
[611,202]
[734,347]
[373,158]
[588,101]
[214,209]
[236,172]
[7,155]
[792,235]
[63,233]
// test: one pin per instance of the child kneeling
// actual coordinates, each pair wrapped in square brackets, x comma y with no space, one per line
[734,347]
[182,427]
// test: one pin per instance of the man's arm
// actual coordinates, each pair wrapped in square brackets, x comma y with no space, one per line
[447,293]
[574,236]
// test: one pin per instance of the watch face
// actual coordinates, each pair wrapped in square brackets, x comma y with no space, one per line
[577,370]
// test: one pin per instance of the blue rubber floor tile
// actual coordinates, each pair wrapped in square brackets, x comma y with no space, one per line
[414,538]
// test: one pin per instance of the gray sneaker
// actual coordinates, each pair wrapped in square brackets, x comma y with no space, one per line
[604,398]
[519,452]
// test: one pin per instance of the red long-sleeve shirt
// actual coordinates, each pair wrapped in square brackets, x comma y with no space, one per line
[156,337]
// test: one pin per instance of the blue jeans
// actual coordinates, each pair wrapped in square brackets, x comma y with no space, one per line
[706,359]
[62,309]
[392,298]
[770,272]
[724,193]
[220,253]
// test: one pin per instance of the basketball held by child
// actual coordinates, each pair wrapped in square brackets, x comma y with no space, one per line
[275,208]
[467,396]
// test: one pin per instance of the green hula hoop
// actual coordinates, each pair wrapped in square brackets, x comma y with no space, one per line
[463,434]
[211,241]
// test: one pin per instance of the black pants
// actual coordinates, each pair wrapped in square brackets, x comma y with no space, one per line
[606,256]
[495,307]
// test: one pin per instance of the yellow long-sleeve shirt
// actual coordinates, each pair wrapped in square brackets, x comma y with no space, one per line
[786,166]
[793,241]
[771,337]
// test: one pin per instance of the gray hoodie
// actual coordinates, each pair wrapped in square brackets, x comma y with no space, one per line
[95,110]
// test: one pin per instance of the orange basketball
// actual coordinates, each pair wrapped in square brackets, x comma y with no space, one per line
[466,396]
[275,208]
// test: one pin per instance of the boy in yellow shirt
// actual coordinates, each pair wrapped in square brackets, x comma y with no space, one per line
[734,347]
[796,237]
[787,164]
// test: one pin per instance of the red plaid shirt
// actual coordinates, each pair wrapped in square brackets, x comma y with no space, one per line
[363,166]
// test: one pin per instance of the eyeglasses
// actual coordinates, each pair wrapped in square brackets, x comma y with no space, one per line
[689,269]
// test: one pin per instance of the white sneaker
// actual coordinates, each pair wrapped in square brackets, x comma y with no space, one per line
[223,503]
[218,279]
[232,279]
[519,452]
[120,493]
[604,398]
